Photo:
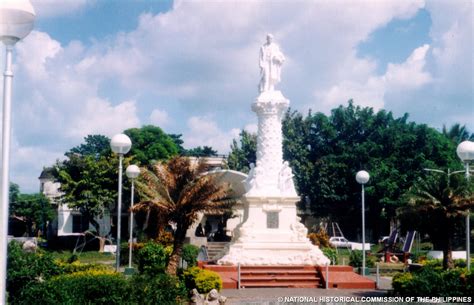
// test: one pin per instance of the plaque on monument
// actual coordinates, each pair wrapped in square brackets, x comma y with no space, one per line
[272,220]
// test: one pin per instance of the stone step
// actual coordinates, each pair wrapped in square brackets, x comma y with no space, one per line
[278,279]
[278,272]
[280,284]
[279,276]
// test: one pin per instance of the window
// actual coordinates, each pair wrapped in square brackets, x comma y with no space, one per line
[79,224]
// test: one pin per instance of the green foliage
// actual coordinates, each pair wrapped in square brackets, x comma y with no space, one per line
[440,199]
[355,259]
[151,258]
[243,153]
[157,289]
[331,254]
[95,145]
[89,184]
[151,144]
[34,209]
[14,192]
[325,152]
[190,253]
[90,287]
[431,281]
[201,279]
[25,269]
[199,151]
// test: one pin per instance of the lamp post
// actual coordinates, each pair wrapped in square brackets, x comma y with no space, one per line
[465,152]
[362,177]
[120,144]
[17,18]
[132,172]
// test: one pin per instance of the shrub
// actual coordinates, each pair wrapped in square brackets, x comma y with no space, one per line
[158,289]
[86,287]
[435,282]
[190,253]
[355,259]
[203,280]
[152,258]
[321,239]
[25,269]
[331,254]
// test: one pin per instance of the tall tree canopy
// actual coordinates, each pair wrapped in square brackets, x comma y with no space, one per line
[326,152]
[150,144]
[95,145]
[243,152]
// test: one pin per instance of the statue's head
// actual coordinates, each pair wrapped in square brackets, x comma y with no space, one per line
[269,38]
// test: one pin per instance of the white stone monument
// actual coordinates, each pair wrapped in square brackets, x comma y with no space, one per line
[271,233]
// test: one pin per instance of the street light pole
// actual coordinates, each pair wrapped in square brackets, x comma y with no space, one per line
[362,177]
[132,172]
[465,152]
[16,22]
[120,144]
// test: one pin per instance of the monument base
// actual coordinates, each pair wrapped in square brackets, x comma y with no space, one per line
[272,235]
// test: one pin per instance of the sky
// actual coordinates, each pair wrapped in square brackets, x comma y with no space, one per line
[191,67]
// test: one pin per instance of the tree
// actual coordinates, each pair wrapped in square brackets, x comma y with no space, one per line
[89,184]
[205,151]
[150,144]
[326,151]
[457,133]
[243,153]
[14,192]
[95,145]
[437,205]
[34,209]
[177,192]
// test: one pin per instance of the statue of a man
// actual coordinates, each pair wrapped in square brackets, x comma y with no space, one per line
[271,60]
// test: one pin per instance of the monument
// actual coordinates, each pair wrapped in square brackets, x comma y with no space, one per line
[271,233]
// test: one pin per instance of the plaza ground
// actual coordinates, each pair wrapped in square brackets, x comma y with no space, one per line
[270,296]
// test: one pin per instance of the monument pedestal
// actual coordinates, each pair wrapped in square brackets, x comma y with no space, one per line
[272,235]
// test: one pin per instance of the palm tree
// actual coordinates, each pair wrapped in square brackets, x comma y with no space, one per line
[177,191]
[457,133]
[437,205]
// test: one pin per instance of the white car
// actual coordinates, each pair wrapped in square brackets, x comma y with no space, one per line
[340,242]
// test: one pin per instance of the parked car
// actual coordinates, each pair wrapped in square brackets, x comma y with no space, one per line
[340,242]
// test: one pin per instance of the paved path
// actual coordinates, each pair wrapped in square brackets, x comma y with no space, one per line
[276,296]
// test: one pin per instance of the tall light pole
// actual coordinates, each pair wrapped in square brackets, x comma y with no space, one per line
[132,172]
[17,18]
[120,144]
[465,152]
[362,177]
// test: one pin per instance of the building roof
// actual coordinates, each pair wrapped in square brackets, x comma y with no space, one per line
[47,173]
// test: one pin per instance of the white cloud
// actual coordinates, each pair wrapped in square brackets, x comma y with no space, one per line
[203,131]
[53,8]
[100,117]
[370,92]
[159,117]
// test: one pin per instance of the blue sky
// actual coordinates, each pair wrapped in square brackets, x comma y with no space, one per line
[190,67]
